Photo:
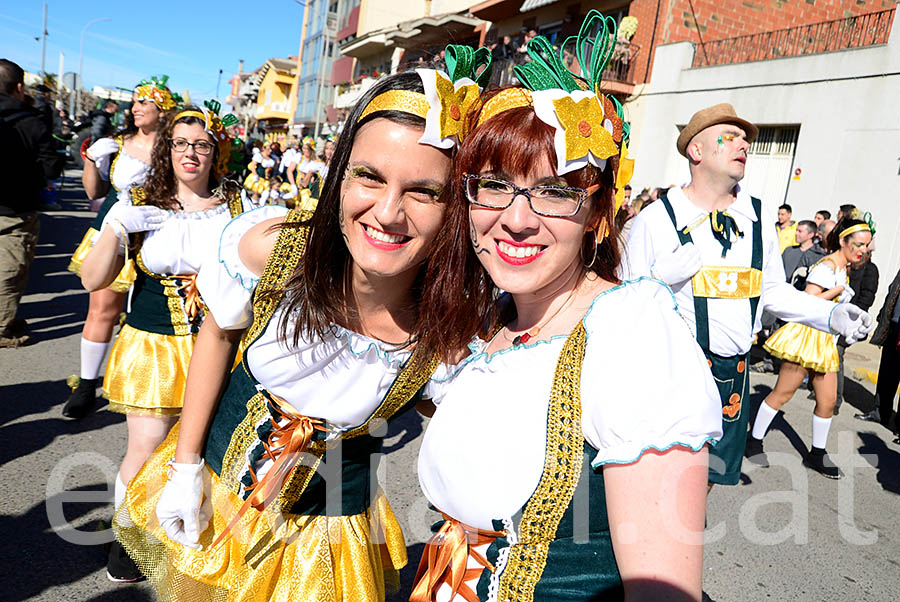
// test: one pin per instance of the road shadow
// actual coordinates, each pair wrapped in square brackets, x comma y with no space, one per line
[18,439]
[857,396]
[757,395]
[410,424]
[36,559]
[888,460]
[408,573]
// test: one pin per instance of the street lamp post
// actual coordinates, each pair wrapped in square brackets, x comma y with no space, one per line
[81,61]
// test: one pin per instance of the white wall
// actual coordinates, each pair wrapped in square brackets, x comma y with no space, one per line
[849,144]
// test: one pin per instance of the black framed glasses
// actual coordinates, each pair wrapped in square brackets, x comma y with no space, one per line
[201,147]
[549,201]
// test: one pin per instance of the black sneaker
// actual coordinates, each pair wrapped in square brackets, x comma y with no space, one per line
[82,400]
[872,416]
[819,461]
[706,598]
[754,452]
[120,568]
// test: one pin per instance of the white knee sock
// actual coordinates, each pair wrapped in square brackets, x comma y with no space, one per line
[763,419]
[119,491]
[123,519]
[92,355]
[821,426]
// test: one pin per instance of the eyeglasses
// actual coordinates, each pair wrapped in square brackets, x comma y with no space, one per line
[201,147]
[549,201]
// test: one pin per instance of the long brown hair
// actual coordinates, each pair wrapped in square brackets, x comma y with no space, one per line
[316,295]
[459,298]
[160,185]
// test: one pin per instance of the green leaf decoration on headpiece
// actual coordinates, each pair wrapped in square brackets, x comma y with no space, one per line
[213,105]
[599,33]
[867,217]
[229,120]
[178,98]
[546,70]
[463,61]
[156,82]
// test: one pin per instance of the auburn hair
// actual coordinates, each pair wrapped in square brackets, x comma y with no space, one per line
[459,295]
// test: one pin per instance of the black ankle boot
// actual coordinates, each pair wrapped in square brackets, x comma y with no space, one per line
[755,453]
[82,400]
[818,460]
[120,568]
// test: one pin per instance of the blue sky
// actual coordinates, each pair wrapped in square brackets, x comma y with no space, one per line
[188,41]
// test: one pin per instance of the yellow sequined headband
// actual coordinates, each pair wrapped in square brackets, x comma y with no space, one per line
[855,229]
[504,100]
[404,101]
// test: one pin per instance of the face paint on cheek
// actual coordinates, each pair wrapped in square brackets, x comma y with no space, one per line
[473,235]
[341,224]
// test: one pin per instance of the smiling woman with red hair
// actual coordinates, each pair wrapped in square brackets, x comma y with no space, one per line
[563,470]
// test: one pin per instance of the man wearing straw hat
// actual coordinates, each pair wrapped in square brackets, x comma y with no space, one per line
[714,245]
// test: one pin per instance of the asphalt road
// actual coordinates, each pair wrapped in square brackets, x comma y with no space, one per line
[783,534]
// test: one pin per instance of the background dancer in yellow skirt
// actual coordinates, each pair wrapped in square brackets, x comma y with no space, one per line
[806,351]
[112,167]
[331,303]
[170,225]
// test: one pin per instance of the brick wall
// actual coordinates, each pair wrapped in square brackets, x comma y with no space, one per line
[718,19]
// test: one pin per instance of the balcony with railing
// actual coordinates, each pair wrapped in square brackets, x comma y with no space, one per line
[618,76]
[861,31]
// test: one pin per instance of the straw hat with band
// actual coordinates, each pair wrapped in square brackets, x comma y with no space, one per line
[720,113]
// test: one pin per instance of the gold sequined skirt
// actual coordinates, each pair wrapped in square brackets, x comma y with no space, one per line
[126,276]
[316,558]
[146,372]
[809,347]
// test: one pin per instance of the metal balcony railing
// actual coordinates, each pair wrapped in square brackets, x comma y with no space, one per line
[620,67]
[841,34]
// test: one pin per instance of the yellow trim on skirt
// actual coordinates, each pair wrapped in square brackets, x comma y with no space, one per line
[146,372]
[321,558]
[809,347]
[123,280]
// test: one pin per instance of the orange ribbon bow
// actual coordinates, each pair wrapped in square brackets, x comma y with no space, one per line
[283,446]
[445,558]
[193,304]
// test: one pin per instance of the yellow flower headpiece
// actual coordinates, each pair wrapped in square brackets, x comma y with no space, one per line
[156,91]
[447,99]
[215,127]
[588,125]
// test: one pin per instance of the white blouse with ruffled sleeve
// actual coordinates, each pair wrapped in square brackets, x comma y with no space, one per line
[645,384]
[341,377]
[128,171]
[825,274]
[182,244]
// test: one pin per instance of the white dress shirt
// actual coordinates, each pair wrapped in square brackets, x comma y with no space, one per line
[730,331]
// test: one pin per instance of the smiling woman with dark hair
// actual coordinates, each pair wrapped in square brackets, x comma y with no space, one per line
[328,309]
[168,226]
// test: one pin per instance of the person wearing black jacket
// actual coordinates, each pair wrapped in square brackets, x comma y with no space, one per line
[27,160]
[887,336]
[864,282]
[101,120]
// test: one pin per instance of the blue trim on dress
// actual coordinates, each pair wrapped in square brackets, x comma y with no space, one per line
[490,357]
[707,439]
[253,280]
[339,332]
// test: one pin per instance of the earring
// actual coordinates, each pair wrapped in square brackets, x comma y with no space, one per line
[595,245]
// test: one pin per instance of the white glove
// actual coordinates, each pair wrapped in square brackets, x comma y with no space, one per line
[101,153]
[851,322]
[183,509]
[134,219]
[679,265]
[846,294]
[293,192]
